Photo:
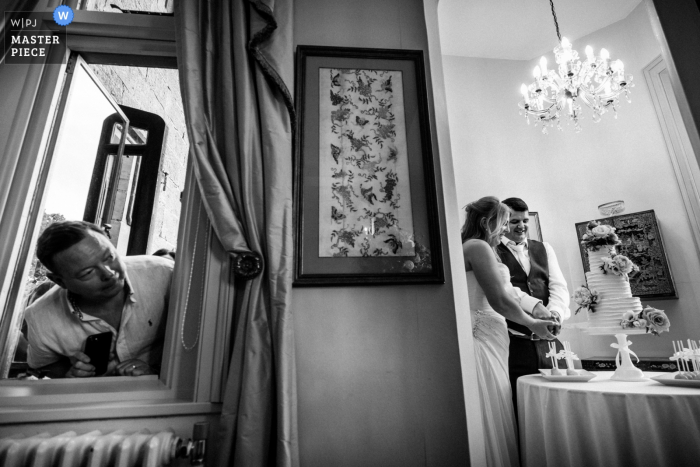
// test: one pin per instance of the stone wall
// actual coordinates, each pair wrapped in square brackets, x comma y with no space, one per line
[156,90]
[160,6]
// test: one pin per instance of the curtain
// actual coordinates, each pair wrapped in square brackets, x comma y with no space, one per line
[236,66]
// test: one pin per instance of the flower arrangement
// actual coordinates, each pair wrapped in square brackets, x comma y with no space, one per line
[585,298]
[598,235]
[655,321]
[619,265]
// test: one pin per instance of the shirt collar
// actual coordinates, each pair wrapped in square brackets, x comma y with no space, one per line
[77,312]
[505,240]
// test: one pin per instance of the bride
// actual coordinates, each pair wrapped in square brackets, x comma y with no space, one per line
[492,299]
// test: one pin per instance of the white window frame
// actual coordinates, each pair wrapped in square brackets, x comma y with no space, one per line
[193,367]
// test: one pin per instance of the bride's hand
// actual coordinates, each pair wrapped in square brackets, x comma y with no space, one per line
[542,327]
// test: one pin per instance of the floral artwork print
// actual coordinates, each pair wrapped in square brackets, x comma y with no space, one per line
[364,190]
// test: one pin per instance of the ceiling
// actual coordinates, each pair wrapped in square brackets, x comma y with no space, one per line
[521,29]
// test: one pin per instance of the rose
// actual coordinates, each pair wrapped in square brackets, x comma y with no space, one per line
[585,298]
[582,296]
[602,230]
[592,225]
[628,316]
[609,265]
[657,319]
[624,264]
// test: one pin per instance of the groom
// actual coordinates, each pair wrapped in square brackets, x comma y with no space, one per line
[534,270]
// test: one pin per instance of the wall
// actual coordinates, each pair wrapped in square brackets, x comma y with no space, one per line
[156,90]
[379,378]
[565,175]
[162,6]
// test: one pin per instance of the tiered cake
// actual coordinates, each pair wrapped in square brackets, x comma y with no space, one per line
[614,296]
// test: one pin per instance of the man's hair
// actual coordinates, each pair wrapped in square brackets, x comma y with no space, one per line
[516,204]
[60,236]
[163,252]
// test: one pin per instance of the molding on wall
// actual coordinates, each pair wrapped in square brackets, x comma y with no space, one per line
[678,144]
[457,274]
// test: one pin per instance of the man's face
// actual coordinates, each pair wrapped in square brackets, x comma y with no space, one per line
[91,269]
[519,221]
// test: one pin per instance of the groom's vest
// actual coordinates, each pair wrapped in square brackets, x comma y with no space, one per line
[536,283]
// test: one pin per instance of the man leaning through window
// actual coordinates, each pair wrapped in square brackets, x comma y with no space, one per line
[98,292]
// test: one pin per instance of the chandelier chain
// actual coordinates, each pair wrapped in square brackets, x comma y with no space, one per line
[556,24]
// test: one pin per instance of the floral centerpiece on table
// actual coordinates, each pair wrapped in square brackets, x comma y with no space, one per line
[655,321]
[619,265]
[585,298]
[599,235]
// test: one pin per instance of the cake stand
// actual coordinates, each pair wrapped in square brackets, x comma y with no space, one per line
[626,371]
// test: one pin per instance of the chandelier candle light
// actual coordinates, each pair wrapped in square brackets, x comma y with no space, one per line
[598,82]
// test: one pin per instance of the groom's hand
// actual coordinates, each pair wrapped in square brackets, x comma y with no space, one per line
[557,318]
[541,312]
[555,328]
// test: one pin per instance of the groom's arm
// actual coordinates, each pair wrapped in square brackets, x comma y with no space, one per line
[558,291]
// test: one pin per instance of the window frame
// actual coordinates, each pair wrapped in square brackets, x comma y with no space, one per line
[194,369]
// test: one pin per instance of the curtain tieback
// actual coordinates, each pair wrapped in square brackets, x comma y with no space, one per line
[247,265]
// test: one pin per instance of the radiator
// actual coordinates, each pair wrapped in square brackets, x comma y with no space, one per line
[94,449]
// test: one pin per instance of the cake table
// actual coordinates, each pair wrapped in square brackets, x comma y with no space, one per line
[608,423]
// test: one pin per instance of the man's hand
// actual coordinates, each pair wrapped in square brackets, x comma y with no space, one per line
[80,366]
[541,312]
[134,367]
[556,317]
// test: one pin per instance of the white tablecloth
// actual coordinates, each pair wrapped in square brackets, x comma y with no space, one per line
[608,423]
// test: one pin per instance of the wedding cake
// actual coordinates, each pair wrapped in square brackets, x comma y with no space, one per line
[607,283]
[608,301]
[614,294]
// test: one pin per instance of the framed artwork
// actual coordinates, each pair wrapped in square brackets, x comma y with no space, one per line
[642,243]
[365,200]
[534,231]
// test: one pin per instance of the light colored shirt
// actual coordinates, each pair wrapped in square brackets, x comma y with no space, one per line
[56,329]
[558,290]
[527,302]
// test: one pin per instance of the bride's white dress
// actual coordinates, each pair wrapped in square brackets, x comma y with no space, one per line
[491,347]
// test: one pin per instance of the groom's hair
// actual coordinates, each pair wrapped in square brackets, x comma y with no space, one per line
[516,204]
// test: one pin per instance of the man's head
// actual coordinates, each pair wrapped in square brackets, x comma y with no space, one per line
[81,259]
[519,219]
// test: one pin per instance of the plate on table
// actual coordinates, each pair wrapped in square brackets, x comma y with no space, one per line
[669,380]
[582,376]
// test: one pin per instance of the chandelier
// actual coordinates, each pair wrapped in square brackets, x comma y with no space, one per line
[597,82]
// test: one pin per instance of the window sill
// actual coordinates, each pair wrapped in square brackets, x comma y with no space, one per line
[96,398]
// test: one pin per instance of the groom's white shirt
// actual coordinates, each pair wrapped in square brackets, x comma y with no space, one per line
[558,291]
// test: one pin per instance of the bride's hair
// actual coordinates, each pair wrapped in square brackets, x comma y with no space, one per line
[490,210]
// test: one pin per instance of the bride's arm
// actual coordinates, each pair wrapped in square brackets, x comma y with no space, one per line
[480,258]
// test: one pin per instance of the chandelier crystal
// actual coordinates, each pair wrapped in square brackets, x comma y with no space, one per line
[598,82]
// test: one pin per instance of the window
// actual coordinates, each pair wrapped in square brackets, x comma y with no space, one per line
[193,367]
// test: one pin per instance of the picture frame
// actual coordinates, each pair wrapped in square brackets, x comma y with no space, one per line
[642,243]
[366,209]
[534,230]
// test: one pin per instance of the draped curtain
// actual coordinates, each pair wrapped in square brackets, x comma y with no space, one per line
[236,66]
